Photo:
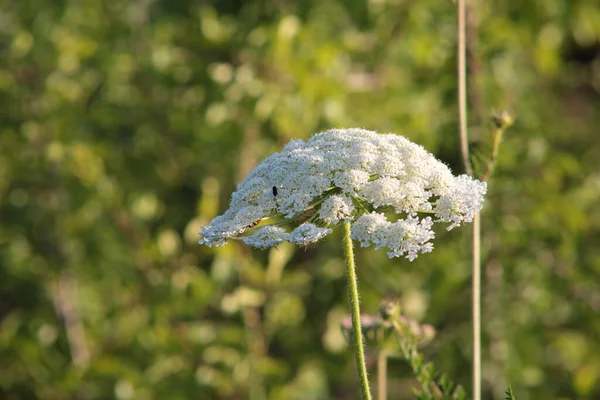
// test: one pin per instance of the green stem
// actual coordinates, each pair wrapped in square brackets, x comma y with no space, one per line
[423,371]
[359,354]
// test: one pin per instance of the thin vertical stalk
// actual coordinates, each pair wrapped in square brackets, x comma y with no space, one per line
[464,146]
[359,353]
[382,375]
[476,307]
[462,87]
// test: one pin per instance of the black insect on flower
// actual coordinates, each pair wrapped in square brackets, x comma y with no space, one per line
[252,225]
[274,190]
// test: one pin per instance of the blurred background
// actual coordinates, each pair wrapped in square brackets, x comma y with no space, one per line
[126,125]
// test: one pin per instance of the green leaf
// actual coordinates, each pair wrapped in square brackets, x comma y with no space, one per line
[509,395]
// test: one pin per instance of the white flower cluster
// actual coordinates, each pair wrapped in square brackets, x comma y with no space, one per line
[348,175]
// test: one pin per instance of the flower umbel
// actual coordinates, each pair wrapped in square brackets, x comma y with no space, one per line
[348,175]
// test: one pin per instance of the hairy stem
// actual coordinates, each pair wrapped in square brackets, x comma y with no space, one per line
[359,353]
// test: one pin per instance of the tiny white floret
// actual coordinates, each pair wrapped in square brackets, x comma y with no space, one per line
[336,208]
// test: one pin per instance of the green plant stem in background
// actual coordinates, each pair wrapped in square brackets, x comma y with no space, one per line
[509,395]
[423,371]
[502,121]
[359,353]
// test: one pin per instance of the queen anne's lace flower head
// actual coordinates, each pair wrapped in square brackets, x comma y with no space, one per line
[348,175]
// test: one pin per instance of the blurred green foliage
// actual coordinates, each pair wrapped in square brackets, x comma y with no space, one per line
[125,126]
